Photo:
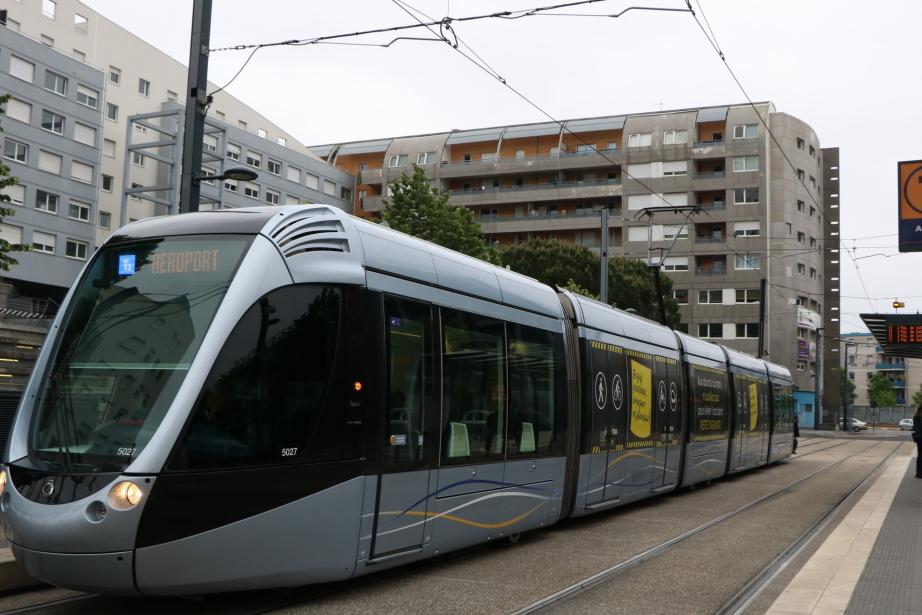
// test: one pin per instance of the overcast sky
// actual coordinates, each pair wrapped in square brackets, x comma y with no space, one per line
[850,70]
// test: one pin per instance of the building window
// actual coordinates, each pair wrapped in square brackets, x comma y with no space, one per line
[47,41]
[519,153]
[78,211]
[329,187]
[747,261]
[680,295]
[143,87]
[345,193]
[746,229]
[261,133]
[19,110]
[813,213]
[52,122]
[397,160]
[675,137]
[251,190]
[801,237]
[46,201]
[800,174]
[674,169]
[707,297]
[81,172]
[425,158]
[115,75]
[801,269]
[49,8]
[282,141]
[745,196]
[135,195]
[16,192]
[812,273]
[802,366]
[105,220]
[205,174]
[274,166]
[293,174]
[311,181]
[80,22]
[233,151]
[813,181]
[242,124]
[801,300]
[747,295]
[800,143]
[12,24]
[743,164]
[710,330]
[640,140]
[747,329]
[812,151]
[107,181]
[137,159]
[112,112]
[171,96]
[813,242]
[230,185]
[675,263]
[746,131]
[272,197]
[87,96]
[49,162]
[21,69]
[254,160]
[75,249]
[14,150]
[801,206]
[79,55]
[43,242]
[55,83]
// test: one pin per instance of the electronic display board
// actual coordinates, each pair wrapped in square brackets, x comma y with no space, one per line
[910,209]
[899,335]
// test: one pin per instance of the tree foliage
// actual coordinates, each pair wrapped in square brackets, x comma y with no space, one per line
[559,263]
[7,180]
[880,391]
[917,398]
[416,208]
[850,391]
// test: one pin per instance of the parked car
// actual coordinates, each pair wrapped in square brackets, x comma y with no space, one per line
[905,424]
[855,425]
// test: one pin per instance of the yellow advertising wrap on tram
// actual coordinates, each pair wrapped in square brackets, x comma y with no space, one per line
[641,400]
[753,406]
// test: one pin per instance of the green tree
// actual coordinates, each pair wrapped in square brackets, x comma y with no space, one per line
[850,391]
[7,180]
[559,263]
[917,397]
[418,209]
[880,391]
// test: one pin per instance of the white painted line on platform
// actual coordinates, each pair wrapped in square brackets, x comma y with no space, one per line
[825,584]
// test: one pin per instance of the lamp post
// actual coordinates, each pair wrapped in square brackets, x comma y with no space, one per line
[817,377]
[239,174]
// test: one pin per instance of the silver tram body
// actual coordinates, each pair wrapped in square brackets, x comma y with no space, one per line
[280,396]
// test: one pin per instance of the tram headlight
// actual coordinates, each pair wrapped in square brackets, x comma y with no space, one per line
[125,495]
[2,481]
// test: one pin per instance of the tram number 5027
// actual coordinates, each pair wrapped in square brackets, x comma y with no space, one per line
[289,452]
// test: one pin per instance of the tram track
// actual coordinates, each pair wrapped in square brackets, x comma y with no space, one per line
[561,596]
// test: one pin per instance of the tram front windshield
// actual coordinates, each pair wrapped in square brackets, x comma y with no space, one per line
[133,327]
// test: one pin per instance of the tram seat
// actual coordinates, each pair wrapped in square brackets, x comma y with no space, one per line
[527,441]
[459,444]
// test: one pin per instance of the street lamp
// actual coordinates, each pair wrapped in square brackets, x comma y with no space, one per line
[240,174]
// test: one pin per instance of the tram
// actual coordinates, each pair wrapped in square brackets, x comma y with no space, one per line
[281,396]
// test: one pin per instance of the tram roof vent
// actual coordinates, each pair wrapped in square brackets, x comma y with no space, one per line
[314,230]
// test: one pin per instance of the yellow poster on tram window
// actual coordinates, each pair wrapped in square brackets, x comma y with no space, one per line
[753,406]
[641,400]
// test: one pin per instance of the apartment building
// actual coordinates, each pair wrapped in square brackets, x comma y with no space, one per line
[142,86]
[862,357]
[758,217]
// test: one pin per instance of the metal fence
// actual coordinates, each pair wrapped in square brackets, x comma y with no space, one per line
[891,415]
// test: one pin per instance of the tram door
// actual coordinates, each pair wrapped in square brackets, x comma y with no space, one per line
[402,499]
[607,400]
[668,413]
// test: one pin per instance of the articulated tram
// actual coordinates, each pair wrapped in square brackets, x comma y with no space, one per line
[280,396]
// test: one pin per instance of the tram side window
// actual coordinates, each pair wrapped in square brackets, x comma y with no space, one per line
[532,391]
[409,377]
[274,395]
[473,387]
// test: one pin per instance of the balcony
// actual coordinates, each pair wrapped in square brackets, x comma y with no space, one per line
[710,265]
[711,270]
[531,164]
[710,233]
[491,224]
[371,176]
[708,149]
[893,367]
[537,192]
[372,203]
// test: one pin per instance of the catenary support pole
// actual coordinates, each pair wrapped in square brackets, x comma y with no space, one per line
[196,105]
[818,377]
[603,253]
[763,297]
[658,287]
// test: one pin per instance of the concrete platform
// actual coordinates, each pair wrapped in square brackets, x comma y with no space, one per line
[872,562]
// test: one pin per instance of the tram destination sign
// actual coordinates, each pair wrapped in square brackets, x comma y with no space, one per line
[898,334]
[909,174]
